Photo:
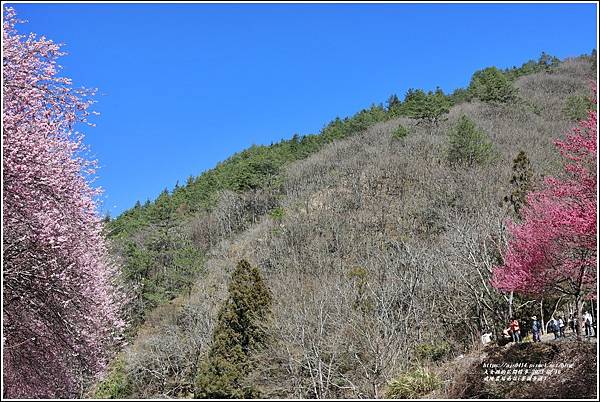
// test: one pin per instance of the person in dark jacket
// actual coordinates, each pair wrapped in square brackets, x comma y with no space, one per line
[561,326]
[553,327]
[571,323]
[536,329]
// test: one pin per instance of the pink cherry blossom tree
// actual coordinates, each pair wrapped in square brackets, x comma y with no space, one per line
[554,247]
[60,308]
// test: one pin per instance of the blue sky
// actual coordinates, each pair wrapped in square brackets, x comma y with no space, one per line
[183,86]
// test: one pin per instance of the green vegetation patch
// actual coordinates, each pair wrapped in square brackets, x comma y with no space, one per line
[414,383]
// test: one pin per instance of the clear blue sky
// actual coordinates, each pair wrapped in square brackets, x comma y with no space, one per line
[184,86]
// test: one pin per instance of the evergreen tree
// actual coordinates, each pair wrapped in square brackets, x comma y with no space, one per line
[520,182]
[460,95]
[393,106]
[414,103]
[548,61]
[190,181]
[469,144]
[491,85]
[425,107]
[240,331]
[163,208]
[439,105]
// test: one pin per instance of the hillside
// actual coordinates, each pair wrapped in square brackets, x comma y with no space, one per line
[376,247]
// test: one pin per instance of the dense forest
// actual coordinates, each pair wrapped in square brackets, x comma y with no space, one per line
[363,261]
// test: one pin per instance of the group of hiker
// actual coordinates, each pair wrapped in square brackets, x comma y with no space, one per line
[515,333]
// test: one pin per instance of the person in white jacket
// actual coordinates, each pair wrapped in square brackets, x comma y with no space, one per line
[588,321]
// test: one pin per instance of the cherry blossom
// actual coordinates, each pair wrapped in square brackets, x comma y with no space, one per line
[60,308]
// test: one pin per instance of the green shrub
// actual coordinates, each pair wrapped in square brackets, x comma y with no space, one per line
[277,213]
[116,384]
[491,85]
[577,107]
[469,145]
[413,384]
[433,351]
[400,133]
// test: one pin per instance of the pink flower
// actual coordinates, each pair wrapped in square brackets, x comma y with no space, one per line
[59,306]
[554,247]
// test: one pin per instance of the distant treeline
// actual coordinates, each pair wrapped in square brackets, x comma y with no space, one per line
[259,165]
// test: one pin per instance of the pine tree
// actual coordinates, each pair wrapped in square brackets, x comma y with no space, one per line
[439,105]
[190,181]
[393,104]
[520,182]
[425,107]
[240,331]
[491,85]
[469,145]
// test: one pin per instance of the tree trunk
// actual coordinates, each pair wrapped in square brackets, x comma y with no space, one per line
[579,315]
[556,306]
[543,331]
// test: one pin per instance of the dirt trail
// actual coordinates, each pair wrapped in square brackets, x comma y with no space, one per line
[549,370]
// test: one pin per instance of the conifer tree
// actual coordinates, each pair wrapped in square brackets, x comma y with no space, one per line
[394,105]
[491,85]
[240,331]
[520,182]
[469,145]
[425,107]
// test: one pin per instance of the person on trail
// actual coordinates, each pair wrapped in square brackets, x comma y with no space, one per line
[486,338]
[561,326]
[587,320]
[552,326]
[536,329]
[515,330]
[506,336]
[572,323]
[555,328]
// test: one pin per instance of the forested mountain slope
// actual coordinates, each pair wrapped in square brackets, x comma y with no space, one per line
[375,238]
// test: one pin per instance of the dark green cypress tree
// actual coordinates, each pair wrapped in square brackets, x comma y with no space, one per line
[241,330]
[520,182]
